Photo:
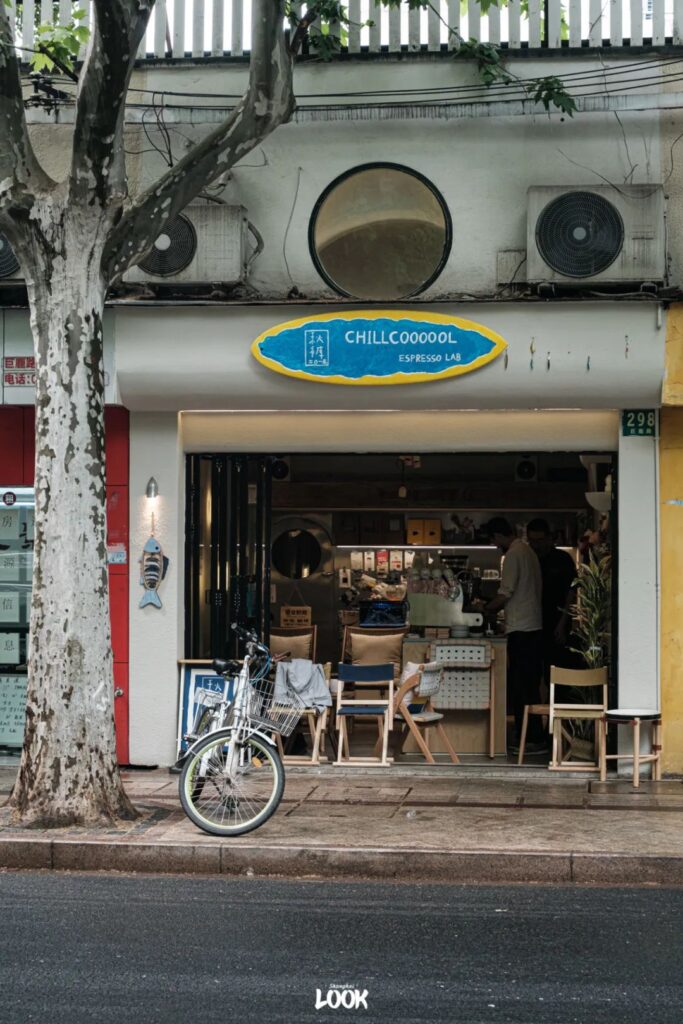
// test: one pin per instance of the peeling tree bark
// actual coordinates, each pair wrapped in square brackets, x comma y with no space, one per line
[71,239]
[68,770]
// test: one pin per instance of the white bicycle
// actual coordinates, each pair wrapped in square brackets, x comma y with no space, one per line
[233,779]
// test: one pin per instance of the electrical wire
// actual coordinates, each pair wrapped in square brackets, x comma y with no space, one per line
[578,78]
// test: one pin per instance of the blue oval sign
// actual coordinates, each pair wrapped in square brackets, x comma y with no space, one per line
[387,347]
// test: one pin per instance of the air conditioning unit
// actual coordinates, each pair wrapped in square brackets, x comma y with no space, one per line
[9,264]
[204,244]
[596,234]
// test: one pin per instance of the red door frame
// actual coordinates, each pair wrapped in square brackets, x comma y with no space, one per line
[17,467]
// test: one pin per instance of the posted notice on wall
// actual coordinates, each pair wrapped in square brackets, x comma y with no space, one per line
[10,524]
[12,710]
[10,566]
[10,608]
[9,649]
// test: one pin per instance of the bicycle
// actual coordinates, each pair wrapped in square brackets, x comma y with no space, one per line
[233,778]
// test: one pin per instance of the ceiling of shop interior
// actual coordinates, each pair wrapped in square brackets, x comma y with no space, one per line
[441,481]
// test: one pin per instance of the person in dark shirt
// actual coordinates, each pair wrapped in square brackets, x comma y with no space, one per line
[558,573]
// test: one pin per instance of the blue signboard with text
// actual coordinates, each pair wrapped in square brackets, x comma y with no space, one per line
[384,347]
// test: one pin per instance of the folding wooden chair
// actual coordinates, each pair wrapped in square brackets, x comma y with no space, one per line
[317,728]
[414,710]
[364,677]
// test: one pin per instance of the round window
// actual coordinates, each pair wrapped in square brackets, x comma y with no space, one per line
[380,232]
[296,554]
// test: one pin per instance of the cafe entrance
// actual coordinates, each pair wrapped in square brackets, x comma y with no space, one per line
[382,549]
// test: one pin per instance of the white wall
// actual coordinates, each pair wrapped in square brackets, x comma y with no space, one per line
[576,355]
[481,165]
[156,635]
[638,569]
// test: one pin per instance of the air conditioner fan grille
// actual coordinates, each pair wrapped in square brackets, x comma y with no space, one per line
[173,250]
[9,264]
[579,234]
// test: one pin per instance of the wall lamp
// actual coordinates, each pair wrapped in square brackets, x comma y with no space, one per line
[152,489]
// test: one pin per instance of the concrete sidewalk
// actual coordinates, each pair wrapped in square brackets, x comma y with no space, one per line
[450,824]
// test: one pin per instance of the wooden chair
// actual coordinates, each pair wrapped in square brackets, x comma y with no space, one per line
[633,717]
[414,710]
[594,679]
[364,677]
[531,709]
[294,631]
[317,730]
[368,631]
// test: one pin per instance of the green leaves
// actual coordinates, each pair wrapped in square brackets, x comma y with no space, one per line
[489,61]
[328,33]
[57,46]
[549,92]
[593,611]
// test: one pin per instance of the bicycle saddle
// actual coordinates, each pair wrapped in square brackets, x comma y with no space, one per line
[226,668]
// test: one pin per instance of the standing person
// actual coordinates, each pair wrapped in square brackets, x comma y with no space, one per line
[558,573]
[520,595]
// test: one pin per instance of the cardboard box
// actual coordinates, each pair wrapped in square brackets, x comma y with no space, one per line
[415,531]
[431,531]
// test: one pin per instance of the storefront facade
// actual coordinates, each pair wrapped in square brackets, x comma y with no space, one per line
[181,371]
[569,373]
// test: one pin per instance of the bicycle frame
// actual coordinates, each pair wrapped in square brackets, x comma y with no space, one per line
[238,726]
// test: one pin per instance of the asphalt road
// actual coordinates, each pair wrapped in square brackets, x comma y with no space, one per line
[166,950]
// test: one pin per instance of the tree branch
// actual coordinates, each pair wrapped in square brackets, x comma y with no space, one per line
[20,172]
[98,163]
[267,103]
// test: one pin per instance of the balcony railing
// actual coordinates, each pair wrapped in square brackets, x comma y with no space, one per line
[185,29]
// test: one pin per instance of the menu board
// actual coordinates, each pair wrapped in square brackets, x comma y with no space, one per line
[12,710]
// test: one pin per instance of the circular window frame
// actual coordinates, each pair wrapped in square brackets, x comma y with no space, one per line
[375,165]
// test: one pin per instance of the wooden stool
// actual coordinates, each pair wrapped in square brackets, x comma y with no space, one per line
[633,717]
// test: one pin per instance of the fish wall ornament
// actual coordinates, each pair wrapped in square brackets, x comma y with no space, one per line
[153,568]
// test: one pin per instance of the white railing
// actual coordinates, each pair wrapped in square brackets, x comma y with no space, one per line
[222,28]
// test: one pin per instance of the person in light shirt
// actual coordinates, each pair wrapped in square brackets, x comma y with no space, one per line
[520,595]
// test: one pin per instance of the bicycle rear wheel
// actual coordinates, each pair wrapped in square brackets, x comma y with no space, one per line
[229,787]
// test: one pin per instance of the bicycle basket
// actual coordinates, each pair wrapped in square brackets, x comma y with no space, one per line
[279,715]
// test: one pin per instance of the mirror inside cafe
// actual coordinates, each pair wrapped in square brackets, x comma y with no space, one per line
[473,565]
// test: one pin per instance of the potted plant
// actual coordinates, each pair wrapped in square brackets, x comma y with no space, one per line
[591,633]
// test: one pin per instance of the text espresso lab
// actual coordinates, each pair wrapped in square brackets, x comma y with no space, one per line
[409,338]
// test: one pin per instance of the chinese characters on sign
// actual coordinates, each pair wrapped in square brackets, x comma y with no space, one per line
[12,710]
[638,423]
[9,606]
[16,564]
[19,372]
[385,347]
[317,348]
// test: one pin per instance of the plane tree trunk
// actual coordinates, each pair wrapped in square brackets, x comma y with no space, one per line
[72,240]
[68,772]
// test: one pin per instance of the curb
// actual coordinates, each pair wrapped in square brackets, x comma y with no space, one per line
[342,863]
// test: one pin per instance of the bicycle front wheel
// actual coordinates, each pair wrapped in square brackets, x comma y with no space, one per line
[230,786]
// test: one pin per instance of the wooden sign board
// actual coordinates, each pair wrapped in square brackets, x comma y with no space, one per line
[295,615]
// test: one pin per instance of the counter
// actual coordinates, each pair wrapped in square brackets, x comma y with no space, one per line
[467,729]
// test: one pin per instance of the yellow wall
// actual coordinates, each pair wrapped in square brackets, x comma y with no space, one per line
[671,498]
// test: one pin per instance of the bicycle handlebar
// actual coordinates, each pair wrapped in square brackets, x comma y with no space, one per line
[249,636]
